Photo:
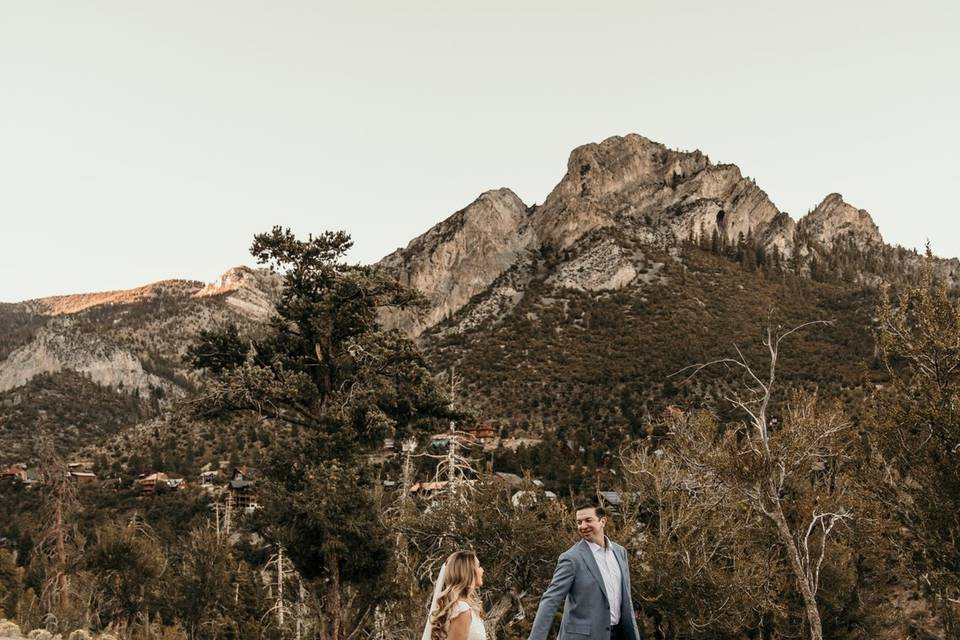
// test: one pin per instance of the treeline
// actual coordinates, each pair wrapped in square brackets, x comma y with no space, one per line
[845,260]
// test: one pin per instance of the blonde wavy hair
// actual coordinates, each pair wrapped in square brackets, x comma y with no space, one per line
[458,584]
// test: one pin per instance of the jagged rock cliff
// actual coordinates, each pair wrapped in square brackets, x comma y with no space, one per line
[250,292]
[632,179]
[833,219]
[611,229]
[60,345]
[662,196]
[461,256]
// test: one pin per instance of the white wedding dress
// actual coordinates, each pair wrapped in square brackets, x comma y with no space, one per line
[477,630]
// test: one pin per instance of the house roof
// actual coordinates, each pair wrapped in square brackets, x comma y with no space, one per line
[428,486]
[247,473]
[15,470]
[155,477]
[611,497]
[241,484]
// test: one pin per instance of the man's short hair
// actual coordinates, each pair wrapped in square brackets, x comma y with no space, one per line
[599,511]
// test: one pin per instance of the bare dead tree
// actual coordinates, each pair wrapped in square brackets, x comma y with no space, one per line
[710,575]
[290,612]
[59,543]
[765,459]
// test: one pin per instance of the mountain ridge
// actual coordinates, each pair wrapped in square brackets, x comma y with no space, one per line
[617,236]
[668,196]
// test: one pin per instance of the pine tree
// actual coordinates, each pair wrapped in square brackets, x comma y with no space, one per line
[324,367]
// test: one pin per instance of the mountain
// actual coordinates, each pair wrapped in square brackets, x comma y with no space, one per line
[569,317]
[631,186]
[84,366]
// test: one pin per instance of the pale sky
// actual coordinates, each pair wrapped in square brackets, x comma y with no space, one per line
[141,141]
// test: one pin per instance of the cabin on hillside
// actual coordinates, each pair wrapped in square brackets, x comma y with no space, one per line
[15,471]
[148,482]
[210,479]
[22,474]
[159,481]
[480,433]
[612,500]
[83,477]
[242,488]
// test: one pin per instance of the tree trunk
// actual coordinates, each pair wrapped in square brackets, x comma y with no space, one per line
[333,605]
[63,585]
[806,589]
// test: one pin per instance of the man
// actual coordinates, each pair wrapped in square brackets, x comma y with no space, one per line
[592,579]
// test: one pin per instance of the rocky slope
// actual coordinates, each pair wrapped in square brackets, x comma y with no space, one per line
[461,256]
[129,343]
[661,195]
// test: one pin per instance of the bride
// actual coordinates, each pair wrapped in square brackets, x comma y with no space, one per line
[455,611]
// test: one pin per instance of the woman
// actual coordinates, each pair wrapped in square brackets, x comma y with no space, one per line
[456,612]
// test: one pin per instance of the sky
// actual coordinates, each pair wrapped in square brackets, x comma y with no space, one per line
[142,141]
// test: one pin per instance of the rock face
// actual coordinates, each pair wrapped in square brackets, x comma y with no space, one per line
[57,347]
[636,180]
[251,292]
[122,339]
[833,219]
[662,196]
[461,256]
[617,176]
[601,268]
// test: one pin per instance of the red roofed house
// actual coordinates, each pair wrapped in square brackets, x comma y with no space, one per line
[16,471]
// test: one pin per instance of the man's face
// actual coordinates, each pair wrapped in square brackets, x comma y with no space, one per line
[590,526]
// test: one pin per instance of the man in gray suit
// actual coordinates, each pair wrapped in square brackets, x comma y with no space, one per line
[592,579]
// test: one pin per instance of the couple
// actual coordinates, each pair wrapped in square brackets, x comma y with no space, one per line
[592,579]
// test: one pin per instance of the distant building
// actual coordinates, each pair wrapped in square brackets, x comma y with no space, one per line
[151,483]
[611,498]
[83,477]
[242,488]
[15,471]
[209,478]
[440,441]
[481,433]
[148,482]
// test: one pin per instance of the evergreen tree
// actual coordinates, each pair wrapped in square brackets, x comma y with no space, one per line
[326,367]
[917,430]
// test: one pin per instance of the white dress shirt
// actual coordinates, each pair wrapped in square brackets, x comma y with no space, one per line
[612,577]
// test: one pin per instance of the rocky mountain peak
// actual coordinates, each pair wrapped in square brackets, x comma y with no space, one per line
[461,256]
[645,193]
[602,178]
[833,219]
[250,292]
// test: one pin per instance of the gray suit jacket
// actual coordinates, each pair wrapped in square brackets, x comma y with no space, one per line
[577,583]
